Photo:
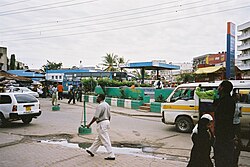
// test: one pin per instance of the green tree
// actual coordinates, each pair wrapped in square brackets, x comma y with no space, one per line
[18,66]
[51,66]
[136,73]
[121,61]
[88,85]
[110,62]
[12,62]
[185,77]
[8,65]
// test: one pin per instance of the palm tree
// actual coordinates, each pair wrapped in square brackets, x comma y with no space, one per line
[136,73]
[121,61]
[110,61]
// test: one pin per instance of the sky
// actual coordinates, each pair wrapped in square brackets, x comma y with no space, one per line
[70,31]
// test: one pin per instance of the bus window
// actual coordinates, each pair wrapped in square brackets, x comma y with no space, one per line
[244,95]
[183,94]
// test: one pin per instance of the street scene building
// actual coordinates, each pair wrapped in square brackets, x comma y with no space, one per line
[244,48]
[3,58]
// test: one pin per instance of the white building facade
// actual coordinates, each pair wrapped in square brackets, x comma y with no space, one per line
[3,58]
[244,47]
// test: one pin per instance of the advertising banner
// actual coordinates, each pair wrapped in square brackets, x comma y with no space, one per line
[214,59]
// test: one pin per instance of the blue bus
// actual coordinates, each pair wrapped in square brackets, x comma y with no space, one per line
[74,78]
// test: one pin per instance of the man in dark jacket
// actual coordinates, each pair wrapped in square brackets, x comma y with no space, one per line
[72,94]
[223,148]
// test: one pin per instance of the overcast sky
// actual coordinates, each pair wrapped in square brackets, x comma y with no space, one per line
[70,31]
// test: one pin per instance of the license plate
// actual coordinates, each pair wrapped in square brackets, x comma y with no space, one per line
[28,108]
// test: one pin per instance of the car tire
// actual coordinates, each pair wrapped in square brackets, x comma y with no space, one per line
[184,124]
[26,120]
[3,121]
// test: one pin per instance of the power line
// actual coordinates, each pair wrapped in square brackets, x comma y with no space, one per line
[111,17]
[131,26]
[104,14]
[107,22]
[13,3]
[53,7]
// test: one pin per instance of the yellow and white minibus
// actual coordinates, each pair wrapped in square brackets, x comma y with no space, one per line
[182,106]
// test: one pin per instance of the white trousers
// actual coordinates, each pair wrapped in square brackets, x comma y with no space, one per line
[102,138]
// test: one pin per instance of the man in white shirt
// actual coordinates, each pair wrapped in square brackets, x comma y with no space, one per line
[158,84]
[102,118]
[54,95]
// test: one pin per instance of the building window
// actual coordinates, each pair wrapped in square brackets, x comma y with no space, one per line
[52,76]
[60,77]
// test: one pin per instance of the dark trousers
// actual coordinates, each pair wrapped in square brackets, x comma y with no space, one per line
[237,144]
[60,95]
[223,153]
[79,97]
[72,97]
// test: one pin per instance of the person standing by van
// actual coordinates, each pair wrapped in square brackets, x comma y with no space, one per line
[224,133]
[202,141]
[236,127]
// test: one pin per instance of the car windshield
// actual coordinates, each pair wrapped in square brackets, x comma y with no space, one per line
[25,98]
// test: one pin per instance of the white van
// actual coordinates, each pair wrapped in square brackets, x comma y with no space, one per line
[182,107]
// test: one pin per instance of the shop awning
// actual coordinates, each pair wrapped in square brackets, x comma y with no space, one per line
[207,70]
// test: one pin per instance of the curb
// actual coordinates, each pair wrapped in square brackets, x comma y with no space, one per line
[137,115]
[10,141]
[122,113]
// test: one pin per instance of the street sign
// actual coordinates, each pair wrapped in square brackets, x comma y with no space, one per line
[230,62]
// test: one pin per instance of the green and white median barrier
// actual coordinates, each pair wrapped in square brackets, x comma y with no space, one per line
[127,103]
[120,102]
[113,101]
[155,107]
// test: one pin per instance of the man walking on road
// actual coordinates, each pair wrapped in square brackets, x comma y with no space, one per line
[102,118]
[60,91]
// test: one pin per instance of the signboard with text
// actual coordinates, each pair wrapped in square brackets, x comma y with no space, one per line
[214,59]
[230,62]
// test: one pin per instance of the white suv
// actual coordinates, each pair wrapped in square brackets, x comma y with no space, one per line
[23,90]
[18,106]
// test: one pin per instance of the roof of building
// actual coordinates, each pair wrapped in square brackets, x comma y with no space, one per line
[207,70]
[9,76]
[152,66]
[244,26]
[67,70]
[27,73]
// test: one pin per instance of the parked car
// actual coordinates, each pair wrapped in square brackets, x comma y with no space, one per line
[18,106]
[24,90]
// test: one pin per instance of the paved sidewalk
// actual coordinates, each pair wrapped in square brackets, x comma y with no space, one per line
[50,155]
